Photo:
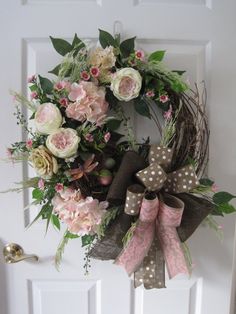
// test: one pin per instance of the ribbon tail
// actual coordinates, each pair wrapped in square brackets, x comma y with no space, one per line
[151,272]
[137,248]
[176,262]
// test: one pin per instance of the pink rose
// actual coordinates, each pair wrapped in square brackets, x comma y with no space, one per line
[139,54]
[163,98]
[47,118]
[59,187]
[89,102]
[41,184]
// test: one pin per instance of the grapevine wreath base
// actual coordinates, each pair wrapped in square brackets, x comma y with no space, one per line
[132,202]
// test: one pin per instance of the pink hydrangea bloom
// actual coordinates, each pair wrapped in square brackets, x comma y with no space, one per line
[214,188]
[82,216]
[89,102]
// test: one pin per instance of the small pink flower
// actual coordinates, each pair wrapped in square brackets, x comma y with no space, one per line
[214,188]
[59,187]
[94,71]
[41,184]
[163,98]
[63,102]
[220,227]
[168,114]
[89,137]
[29,143]
[85,75]
[139,54]
[60,85]
[31,79]
[107,137]
[33,95]
[150,93]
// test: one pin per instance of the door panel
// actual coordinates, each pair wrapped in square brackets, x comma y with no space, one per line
[199,37]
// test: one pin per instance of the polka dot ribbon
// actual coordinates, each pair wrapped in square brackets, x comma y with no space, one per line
[155,241]
[154,177]
[148,249]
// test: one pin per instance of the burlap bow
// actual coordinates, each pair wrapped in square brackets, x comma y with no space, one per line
[155,237]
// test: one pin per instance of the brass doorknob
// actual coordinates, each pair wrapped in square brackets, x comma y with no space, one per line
[14,253]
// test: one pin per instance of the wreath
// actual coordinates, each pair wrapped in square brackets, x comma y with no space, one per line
[134,202]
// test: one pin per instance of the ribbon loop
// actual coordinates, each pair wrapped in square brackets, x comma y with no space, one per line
[134,196]
[153,177]
[161,155]
[171,211]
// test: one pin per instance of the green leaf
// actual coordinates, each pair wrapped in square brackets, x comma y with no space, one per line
[222,197]
[32,116]
[127,47]
[142,108]
[206,182]
[77,42]
[106,39]
[226,208]
[37,194]
[61,46]
[179,72]
[113,124]
[71,235]
[33,87]
[56,70]
[156,55]
[45,84]
[87,239]
[56,222]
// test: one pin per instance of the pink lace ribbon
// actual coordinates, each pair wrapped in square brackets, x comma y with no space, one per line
[163,218]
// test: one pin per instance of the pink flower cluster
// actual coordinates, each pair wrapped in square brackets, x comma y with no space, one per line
[82,216]
[88,102]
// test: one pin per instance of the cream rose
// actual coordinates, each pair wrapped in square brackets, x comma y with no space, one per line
[48,118]
[126,84]
[63,143]
[43,162]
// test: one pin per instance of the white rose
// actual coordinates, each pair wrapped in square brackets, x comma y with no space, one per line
[48,118]
[63,143]
[126,84]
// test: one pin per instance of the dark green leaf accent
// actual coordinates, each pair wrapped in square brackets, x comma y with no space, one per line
[87,239]
[106,39]
[217,212]
[222,197]
[55,70]
[142,108]
[56,222]
[206,182]
[61,46]
[127,47]
[45,84]
[32,116]
[226,208]
[37,194]
[179,72]
[113,124]
[157,55]
[71,235]
[77,42]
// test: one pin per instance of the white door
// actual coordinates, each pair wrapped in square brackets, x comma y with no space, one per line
[199,36]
